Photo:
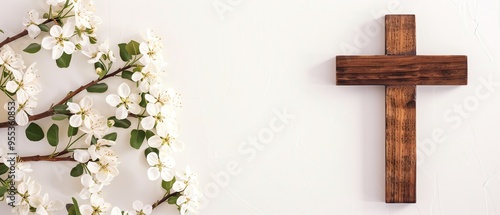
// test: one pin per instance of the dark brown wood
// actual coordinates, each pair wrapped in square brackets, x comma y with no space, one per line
[401,70]
[400,144]
[400,116]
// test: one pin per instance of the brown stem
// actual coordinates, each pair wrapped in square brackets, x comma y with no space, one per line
[45,158]
[19,35]
[52,158]
[70,95]
[162,200]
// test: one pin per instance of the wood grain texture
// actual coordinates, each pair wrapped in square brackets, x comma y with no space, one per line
[400,144]
[400,120]
[401,70]
[400,35]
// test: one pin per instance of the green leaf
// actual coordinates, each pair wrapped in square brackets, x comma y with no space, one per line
[3,168]
[124,55]
[136,138]
[64,60]
[33,48]
[167,185]
[120,123]
[53,135]
[133,47]
[76,207]
[151,150]
[1,31]
[72,131]
[149,134]
[93,140]
[110,136]
[34,132]
[61,109]
[77,170]
[173,200]
[143,102]
[44,27]
[59,117]
[98,88]
[3,190]
[127,75]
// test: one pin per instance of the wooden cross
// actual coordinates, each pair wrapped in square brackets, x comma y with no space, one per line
[400,70]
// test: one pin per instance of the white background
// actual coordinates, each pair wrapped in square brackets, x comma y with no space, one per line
[236,68]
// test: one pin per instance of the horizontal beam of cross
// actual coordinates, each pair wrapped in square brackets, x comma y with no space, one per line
[401,70]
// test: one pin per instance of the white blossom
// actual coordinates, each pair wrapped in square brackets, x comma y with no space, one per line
[141,209]
[28,192]
[147,77]
[59,40]
[94,125]
[125,101]
[105,169]
[32,23]
[96,52]
[45,206]
[10,60]
[90,186]
[159,116]
[24,85]
[161,165]
[168,139]
[97,206]
[81,155]
[80,111]
[99,149]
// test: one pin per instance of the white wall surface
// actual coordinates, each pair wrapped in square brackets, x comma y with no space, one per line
[239,70]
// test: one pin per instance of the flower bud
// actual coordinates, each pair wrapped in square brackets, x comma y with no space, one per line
[99,71]
[111,123]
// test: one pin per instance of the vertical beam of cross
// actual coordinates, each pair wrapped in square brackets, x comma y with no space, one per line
[400,121]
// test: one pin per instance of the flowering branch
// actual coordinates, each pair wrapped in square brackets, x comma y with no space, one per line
[19,35]
[164,199]
[70,95]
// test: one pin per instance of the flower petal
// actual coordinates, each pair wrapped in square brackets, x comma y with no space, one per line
[113,100]
[137,205]
[167,174]
[155,141]
[152,159]
[75,120]
[153,173]
[69,47]
[124,90]
[48,42]
[22,118]
[86,102]
[57,52]
[56,31]
[121,112]
[148,123]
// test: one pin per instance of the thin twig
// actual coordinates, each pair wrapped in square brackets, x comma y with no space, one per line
[70,95]
[162,200]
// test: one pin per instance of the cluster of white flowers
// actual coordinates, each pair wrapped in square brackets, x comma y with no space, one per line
[187,185]
[29,196]
[23,84]
[78,31]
